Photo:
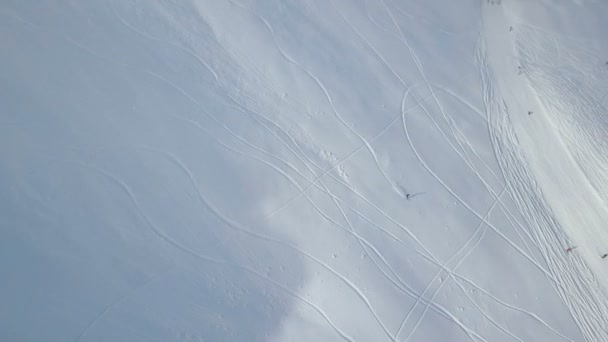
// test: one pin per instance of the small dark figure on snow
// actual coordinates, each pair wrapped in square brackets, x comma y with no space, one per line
[604,256]
[530,112]
[407,196]
[510,28]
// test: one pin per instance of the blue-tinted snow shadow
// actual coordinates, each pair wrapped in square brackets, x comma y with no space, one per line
[103,236]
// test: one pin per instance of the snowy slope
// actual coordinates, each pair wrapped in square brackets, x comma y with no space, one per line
[214,170]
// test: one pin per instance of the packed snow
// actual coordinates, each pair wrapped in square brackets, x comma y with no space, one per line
[304,170]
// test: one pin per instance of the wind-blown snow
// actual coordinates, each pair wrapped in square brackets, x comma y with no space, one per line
[213,170]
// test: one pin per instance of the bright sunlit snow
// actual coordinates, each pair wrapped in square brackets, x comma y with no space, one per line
[304,170]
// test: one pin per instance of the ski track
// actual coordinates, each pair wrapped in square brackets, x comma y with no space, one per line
[457,97]
[120,300]
[513,172]
[352,229]
[168,239]
[577,286]
[518,249]
[541,240]
[158,232]
[466,160]
[449,121]
[487,187]
[420,102]
[466,205]
[576,108]
[487,97]
[418,65]
[467,330]
[323,88]
[364,242]
[335,199]
[425,21]
[445,266]
[437,126]
[248,231]
[451,274]
[237,105]
[465,279]
[232,133]
[338,164]
[417,296]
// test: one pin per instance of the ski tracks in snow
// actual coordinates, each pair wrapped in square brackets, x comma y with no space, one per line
[315,177]
[187,250]
[469,163]
[573,280]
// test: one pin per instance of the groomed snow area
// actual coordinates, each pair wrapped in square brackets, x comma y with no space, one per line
[303,170]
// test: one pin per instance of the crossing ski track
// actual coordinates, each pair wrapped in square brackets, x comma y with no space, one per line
[578,287]
[384,299]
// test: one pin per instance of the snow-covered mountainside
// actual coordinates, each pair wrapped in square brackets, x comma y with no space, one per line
[303,170]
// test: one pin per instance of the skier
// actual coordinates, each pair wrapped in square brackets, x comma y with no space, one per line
[604,256]
[407,196]
[510,28]
[569,249]
[530,112]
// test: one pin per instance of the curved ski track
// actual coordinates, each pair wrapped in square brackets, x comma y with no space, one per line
[574,282]
[576,291]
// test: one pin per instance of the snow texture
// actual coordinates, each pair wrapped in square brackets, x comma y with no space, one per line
[303,170]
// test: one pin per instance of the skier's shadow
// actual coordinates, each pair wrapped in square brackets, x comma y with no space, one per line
[410,196]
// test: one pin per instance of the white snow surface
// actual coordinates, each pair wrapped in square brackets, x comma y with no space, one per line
[303,170]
